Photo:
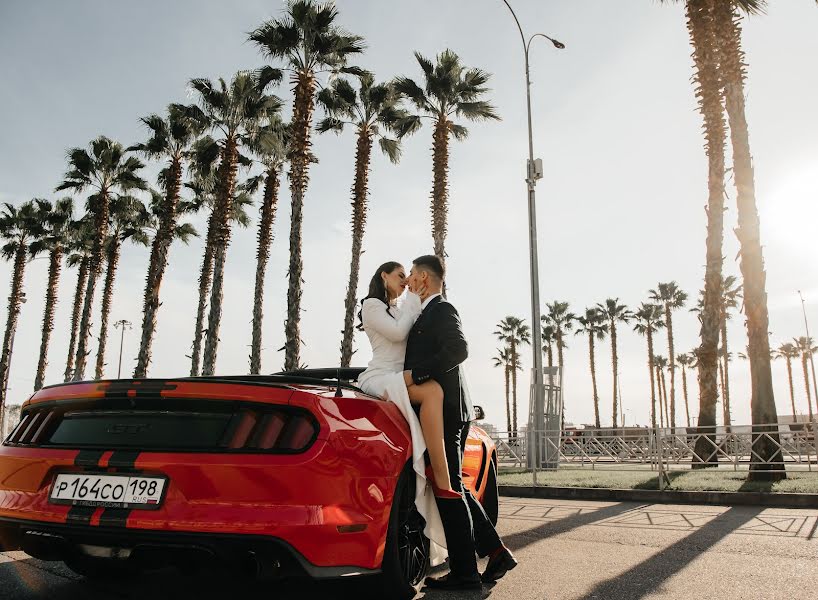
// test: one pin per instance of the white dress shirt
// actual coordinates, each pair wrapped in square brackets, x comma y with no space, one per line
[429,299]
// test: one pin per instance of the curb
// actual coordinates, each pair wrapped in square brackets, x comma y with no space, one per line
[777,500]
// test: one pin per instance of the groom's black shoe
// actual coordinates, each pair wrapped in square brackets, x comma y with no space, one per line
[500,563]
[454,582]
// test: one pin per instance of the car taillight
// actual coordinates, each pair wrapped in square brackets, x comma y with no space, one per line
[276,431]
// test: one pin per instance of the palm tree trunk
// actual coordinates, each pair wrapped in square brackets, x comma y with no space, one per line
[94,271]
[593,379]
[514,387]
[725,392]
[672,356]
[107,298]
[508,400]
[205,279]
[440,185]
[300,157]
[652,383]
[156,266]
[615,362]
[15,298]
[360,191]
[762,400]
[792,389]
[661,398]
[684,392]
[664,396]
[265,239]
[560,363]
[79,293]
[806,384]
[221,237]
[708,92]
[54,267]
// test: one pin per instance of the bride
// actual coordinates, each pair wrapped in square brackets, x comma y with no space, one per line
[387,326]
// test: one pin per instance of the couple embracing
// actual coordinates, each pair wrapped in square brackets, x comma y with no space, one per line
[417,350]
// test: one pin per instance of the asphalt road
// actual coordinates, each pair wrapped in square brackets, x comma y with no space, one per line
[567,550]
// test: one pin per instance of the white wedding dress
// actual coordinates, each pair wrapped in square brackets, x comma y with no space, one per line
[388,332]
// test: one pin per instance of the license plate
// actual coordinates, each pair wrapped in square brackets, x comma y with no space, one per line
[115,491]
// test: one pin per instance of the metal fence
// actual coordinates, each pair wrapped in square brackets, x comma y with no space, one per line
[778,447]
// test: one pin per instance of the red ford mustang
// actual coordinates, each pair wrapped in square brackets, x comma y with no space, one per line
[287,474]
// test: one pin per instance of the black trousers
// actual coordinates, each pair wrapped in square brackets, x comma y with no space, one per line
[468,529]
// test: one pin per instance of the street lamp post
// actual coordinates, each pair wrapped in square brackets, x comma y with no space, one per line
[123,324]
[533,173]
[806,328]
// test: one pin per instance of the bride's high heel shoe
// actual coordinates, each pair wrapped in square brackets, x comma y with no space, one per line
[438,492]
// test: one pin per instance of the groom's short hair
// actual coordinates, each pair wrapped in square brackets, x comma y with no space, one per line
[432,264]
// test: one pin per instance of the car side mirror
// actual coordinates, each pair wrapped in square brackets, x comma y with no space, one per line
[479,413]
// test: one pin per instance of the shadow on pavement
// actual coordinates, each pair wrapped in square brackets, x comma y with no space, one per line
[31,579]
[518,541]
[650,574]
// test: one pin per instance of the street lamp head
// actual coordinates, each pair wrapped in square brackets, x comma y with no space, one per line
[558,44]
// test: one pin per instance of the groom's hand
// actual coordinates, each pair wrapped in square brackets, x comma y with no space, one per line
[407,378]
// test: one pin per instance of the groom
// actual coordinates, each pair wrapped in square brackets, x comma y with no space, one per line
[435,349]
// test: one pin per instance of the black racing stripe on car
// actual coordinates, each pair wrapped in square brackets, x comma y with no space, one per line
[483,466]
[123,459]
[114,517]
[80,514]
[88,458]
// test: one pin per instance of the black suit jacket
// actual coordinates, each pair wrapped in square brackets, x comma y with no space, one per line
[435,349]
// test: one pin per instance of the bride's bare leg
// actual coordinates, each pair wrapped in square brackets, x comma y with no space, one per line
[429,396]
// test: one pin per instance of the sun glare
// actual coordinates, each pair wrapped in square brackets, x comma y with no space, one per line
[789,217]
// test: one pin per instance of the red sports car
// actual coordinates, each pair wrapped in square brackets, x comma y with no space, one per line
[288,474]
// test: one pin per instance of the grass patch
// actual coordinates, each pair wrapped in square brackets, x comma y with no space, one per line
[699,480]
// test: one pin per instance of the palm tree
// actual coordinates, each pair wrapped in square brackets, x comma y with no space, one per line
[20,226]
[203,187]
[270,145]
[80,257]
[788,352]
[513,332]
[732,68]
[806,348]
[503,359]
[449,90]
[685,360]
[129,218]
[108,171]
[308,42]
[729,294]
[648,318]
[373,110]
[661,364]
[236,112]
[562,322]
[59,229]
[594,326]
[670,297]
[614,313]
[708,85]
[170,140]
[715,31]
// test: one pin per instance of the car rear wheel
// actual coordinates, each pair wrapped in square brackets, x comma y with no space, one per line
[406,556]
[491,497]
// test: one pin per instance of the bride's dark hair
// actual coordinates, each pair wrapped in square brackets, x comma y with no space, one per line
[377,288]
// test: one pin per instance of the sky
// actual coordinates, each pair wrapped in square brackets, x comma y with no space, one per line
[620,207]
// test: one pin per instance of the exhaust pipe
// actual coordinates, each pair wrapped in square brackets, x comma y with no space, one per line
[263,566]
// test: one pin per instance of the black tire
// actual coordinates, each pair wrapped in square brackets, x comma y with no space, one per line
[406,556]
[102,569]
[491,499]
